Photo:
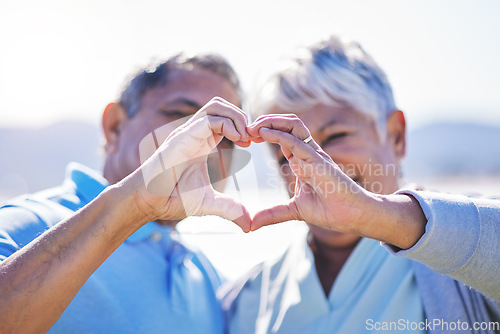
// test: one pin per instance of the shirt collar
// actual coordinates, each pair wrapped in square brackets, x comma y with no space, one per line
[88,182]
[147,231]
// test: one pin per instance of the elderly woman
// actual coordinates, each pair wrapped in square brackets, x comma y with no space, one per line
[333,114]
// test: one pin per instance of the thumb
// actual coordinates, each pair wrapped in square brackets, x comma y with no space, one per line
[276,214]
[226,207]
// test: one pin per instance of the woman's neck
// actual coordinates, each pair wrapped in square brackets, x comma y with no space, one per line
[329,260]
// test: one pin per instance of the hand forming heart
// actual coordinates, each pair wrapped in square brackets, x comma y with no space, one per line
[323,195]
[178,184]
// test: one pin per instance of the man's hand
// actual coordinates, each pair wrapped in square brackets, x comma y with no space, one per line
[175,178]
[38,282]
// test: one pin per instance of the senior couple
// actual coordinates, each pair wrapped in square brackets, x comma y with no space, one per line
[97,254]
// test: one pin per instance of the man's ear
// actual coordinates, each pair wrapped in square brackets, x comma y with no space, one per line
[396,133]
[112,119]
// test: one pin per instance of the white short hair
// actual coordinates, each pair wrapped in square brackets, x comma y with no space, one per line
[331,72]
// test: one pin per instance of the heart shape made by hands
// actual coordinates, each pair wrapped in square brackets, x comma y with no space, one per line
[178,171]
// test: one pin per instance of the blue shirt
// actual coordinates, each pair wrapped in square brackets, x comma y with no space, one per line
[373,293]
[152,283]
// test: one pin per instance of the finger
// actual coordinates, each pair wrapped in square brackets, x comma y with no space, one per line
[220,107]
[277,214]
[207,126]
[223,126]
[290,144]
[285,122]
[226,207]
[197,140]
[243,143]
[289,123]
[262,117]
[257,140]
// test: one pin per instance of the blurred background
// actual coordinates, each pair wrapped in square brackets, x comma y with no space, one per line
[61,62]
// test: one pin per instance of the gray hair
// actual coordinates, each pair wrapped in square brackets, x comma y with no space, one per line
[331,72]
[157,76]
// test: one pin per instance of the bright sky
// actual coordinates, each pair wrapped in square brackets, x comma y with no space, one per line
[67,59]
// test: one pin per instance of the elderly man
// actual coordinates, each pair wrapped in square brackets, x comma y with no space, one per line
[96,255]
[342,138]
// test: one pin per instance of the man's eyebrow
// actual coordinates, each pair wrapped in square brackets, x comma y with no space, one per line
[184,101]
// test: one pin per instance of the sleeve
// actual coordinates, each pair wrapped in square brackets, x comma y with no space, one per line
[18,227]
[461,239]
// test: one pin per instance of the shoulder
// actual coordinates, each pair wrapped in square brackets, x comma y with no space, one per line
[46,205]
[24,218]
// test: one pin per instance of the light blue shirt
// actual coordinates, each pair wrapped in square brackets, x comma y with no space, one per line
[373,293]
[152,283]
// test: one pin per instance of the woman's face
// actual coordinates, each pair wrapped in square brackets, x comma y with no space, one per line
[352,140]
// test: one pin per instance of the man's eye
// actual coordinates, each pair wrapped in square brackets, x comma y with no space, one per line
[174,114]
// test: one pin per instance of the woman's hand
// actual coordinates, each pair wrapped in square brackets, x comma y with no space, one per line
[327,197]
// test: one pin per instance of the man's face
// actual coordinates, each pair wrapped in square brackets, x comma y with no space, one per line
[184,94]
[350,138]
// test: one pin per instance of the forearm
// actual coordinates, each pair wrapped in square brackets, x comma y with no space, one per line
[39,281]
[394,219]
[452,235]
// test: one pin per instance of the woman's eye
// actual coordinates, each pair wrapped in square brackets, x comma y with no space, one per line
[335,136]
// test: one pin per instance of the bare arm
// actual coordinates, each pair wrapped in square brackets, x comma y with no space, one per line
[39,281]
[394,219]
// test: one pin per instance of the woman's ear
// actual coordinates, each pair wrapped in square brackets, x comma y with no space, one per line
[112,119]
[396,133]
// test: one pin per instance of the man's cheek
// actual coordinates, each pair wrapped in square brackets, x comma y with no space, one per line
[219,165]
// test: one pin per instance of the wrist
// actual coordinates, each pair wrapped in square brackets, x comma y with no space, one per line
[396,219]
[130,197]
